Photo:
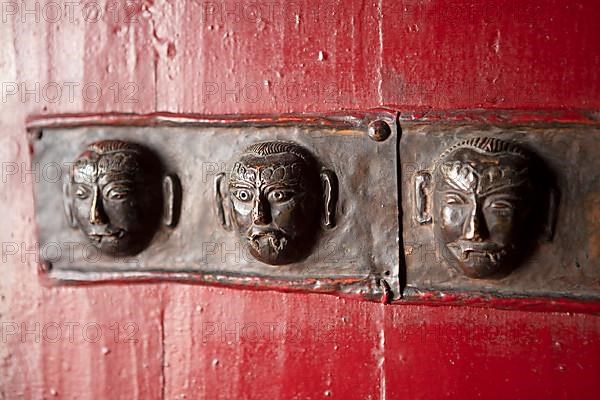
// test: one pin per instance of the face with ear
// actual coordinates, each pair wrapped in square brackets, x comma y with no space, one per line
[113,195]
[276,199]
[481,203]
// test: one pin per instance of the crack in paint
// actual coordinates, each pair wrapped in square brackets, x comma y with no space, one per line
[381,360]
[162,352]
[380,66]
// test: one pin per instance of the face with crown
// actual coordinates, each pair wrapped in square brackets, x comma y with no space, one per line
[481,208]
[273,191]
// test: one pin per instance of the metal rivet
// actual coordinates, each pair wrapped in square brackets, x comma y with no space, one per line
[379,130]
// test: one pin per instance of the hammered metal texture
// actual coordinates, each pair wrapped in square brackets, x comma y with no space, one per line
[564,260]
[351,258]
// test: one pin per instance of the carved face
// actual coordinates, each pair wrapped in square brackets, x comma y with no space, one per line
[274,189]
[481,208]
[113,199]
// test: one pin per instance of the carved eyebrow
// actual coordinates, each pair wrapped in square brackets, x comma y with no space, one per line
[503,195]
[284,187]
[285,184]
[465,198]
[84,185]
[111,179]
[504,187]
[242,184]
[455,192]
[122,184]
[107,178]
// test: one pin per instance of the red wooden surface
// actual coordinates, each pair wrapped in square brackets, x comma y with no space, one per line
[305,56]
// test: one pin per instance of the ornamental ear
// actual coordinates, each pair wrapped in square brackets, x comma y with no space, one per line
[552,212]
[220,201]
[330,197]
[172,200]
[422,200]
[68,201]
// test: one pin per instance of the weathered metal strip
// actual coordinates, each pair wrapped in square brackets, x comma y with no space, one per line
[534,232]
[336,201]
[494,167]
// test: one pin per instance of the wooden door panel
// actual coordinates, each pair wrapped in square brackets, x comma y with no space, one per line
[272,345]
[496,354]
[434,55]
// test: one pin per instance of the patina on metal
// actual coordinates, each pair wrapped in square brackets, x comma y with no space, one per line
[494,213]
[483,198]
[289,190]
[379,130]
[113,195]
[495,210]
[277,197]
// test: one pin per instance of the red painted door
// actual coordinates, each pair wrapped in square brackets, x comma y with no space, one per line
[174,341]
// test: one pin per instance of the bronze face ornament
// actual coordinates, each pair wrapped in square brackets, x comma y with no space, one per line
[481,205]
[277,196]
[115,194]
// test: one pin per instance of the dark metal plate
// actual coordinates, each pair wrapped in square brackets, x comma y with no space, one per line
[563,258]
[352,258]
[364,165]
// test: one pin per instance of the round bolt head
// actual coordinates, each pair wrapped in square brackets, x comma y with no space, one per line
[379,130]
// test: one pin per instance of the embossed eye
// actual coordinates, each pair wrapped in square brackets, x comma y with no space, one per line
[452,198]
[243,194]
[279,196]
[118,194]
[82,192]
[502,205]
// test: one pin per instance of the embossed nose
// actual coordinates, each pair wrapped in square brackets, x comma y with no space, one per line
[97,215]
[261,213]
[475,228]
